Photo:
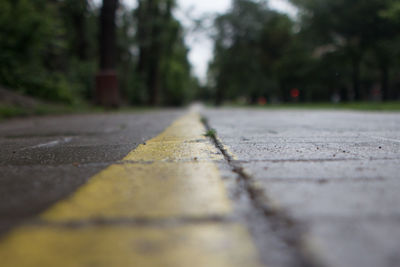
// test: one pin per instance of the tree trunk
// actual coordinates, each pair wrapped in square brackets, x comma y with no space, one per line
[153,79]
[356,78]
[149,30]
[106,80]
[143,37]
[385,82]
[108,35]
[81,42]
[219,97]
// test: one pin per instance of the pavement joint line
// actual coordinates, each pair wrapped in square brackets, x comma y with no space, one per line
[296,160]
[291,230]
[280,142]
[134,222]
[108,163]
[124,162]
[167,210]
[328,180]
[311,160]
[384,138]
[376,218]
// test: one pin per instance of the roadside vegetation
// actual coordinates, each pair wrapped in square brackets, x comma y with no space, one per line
[212,133]
[11,111]
[328,52]
[49,50]
[362,106]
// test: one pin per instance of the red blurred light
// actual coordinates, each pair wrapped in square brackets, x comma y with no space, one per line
[262,101]
[295,93]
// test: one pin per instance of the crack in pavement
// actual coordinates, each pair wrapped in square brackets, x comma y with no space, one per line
[284,226]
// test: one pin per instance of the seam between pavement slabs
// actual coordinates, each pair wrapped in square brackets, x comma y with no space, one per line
[137,221]
[290,231]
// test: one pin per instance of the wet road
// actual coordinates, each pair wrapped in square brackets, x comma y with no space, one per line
[329,181]
[43,160]
[311,188]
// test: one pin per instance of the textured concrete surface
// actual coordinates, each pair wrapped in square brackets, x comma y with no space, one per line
[164,204]
[315,188]
[334,174]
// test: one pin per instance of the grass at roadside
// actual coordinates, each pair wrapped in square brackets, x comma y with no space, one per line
[365,106]
[9,111]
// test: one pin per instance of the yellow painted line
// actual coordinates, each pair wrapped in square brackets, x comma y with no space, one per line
[183,140]
[172,176]
[185,246]
[157,190]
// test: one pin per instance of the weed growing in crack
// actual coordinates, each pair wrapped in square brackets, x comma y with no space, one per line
[211,133]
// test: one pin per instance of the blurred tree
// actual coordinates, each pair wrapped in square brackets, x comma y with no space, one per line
[80,22]
[354,28]
[331,51]
[50,49]
[250,41]
[31,49]
[107,91]
[108,35]
[75,14]
[162,66]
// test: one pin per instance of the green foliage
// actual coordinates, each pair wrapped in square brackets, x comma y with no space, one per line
[361,42]
[342,50]
[364,106]
[212,133]
[34,51]
[250,43]
[163,70]
[7,111]
[49,50]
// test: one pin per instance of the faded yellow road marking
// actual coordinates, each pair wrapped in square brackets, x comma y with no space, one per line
[171,176]
[147,190]
[185,246]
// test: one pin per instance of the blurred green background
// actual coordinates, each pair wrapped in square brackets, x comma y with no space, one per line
[332,52]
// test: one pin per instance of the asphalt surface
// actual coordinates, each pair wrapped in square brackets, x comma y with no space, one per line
[328,181]
[314,188]
[43,160]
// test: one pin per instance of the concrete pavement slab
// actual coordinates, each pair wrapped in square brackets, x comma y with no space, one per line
[333,175]
[306,200]
[357,242]
[323,171]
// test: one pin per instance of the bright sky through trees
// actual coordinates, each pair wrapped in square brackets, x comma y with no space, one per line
[200,44]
